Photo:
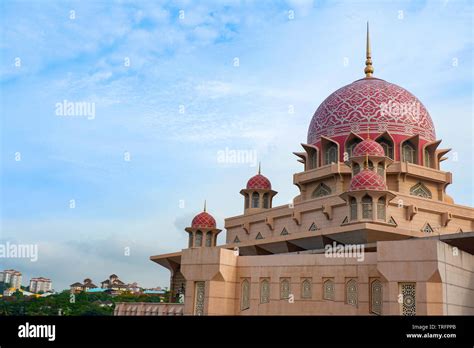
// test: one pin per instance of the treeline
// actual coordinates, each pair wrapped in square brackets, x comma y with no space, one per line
[66,303]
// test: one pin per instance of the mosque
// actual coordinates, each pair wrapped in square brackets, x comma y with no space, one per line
[372,231]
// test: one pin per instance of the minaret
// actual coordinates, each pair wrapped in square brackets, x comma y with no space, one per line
[258,193]
[203,231]
[369,69]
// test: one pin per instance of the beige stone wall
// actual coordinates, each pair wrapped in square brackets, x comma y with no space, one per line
[217,268]
[456,270]
[429,211]
[298,268]
[444,280]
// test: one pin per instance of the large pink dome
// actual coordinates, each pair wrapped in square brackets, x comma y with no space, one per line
[373,103]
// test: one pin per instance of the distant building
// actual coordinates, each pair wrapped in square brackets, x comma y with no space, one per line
[40,285]
[112,285]
[79,287]
[116,285]
[12,277]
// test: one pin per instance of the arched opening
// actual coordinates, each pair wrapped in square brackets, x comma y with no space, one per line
[371,165]
[376,297]
[381,208]
[209,239]
[255,199]
[246,201]
[245,296]
[420,190]
[353,206]
[409,153]
[328,290]
[306,289]
[386,141]
[198,241]
[355,168]
[350,145]
[266,200]
[380,169]
[427,159]
[321,191]
[351,292]
[265,291]
[387,148]
[313,160]
[284,289]
[367,207]
[190,241]
[330,155]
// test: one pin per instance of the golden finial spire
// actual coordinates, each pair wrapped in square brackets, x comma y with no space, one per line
[369,69]
[259,167]
[205,205]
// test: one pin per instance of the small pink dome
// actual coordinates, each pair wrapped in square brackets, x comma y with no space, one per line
[259,182]
[367,180]
[203,220]
[368,147]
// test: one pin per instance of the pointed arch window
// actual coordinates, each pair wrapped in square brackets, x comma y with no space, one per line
[255,199]
[351,292]
[353,205]
[408,153]
[387,148]
[313,160]
[380,169]
[376,297]
[245,295]
[208,239]
[306,289]
[367,207]
[355,168]
[381,208]
[321,191]
[420,190]
[264,291]
[351,145]
[284,289]
[427,158]
[331,154]
[328,290]
[371,165]
[266,200]
[198,239]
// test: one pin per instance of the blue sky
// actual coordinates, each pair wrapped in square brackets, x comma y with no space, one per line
[181,100]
